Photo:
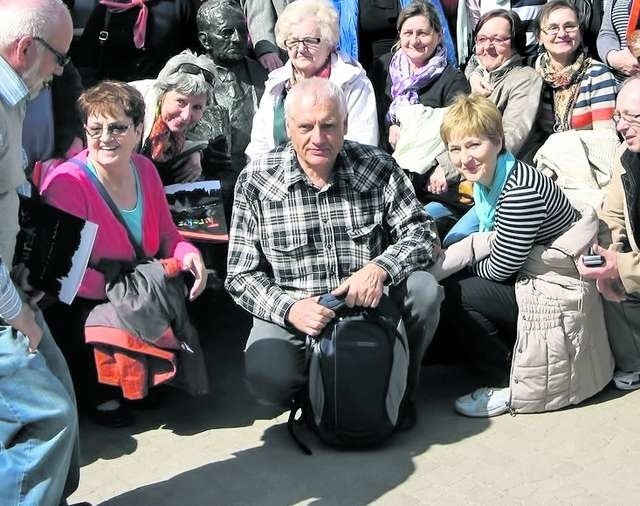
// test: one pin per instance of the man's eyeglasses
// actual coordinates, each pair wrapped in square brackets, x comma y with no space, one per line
[61,59]
[496,41]
[310,43]
[553,30]
[193,69]
[113,129]
[629,118]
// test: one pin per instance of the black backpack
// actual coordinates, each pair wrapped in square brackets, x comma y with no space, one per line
[357,376]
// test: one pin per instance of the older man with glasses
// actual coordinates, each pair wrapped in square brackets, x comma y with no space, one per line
[618,276]
[38,421]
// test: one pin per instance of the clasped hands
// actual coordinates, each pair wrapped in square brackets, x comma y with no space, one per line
[364,289]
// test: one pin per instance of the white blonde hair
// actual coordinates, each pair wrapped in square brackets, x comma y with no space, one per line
[322,11]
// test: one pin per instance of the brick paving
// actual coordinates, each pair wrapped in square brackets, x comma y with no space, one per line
[225,449]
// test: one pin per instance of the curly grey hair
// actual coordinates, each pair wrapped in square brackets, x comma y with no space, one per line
[322,11]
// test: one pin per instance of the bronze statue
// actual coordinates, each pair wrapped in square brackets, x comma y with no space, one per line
[238,85]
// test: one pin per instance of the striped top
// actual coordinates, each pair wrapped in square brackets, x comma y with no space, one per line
[531,210]
[620,19]
[595,103]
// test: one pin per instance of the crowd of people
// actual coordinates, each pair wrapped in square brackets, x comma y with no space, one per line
[478,162]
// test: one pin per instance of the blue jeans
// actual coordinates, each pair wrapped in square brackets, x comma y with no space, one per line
[464,227]
[38,422]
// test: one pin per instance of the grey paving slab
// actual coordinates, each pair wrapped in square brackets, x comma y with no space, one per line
[225,449]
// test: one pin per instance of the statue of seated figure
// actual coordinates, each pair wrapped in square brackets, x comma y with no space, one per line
[238,84]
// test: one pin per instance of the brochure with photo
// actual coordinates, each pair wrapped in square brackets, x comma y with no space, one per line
[55,246]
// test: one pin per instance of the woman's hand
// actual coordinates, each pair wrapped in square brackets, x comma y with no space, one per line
[394,135]
[437,182]
[623,61]
[191,169]
[478,85]
[194,263]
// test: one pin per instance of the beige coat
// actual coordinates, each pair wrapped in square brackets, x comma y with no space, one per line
[617,234]
[561,355]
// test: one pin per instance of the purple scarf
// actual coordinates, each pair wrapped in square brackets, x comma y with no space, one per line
[404,85]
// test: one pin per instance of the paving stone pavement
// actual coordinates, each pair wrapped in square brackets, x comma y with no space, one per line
[225,449]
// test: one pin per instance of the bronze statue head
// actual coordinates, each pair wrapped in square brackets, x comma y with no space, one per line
[222,30]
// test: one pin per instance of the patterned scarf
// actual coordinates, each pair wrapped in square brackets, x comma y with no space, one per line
[565,84]
[405,85]
[163,144]
[140,28]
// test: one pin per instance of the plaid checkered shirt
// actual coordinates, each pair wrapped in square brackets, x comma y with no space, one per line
[290,240]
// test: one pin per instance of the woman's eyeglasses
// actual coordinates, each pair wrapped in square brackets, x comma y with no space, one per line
[553,30]
[193,69]
[113,130]
[310,43]
[629,118]
[496,41]
[61,59]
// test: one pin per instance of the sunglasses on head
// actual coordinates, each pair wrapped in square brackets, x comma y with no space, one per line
[193,69]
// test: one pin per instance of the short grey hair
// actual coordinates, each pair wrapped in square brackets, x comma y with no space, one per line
[319,89]
[322,11]
[171,79]
[36,18]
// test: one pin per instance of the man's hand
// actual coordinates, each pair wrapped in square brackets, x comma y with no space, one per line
[191,169]
[478,85]
[611,289]
[270,61]
[363,288]
[309,317]
[394,135]
[194,263]
[608,270]
[623,61]
[25,322]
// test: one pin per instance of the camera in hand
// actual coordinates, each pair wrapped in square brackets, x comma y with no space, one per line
[592,259]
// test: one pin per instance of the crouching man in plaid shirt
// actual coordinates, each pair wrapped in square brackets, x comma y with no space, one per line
[322,214]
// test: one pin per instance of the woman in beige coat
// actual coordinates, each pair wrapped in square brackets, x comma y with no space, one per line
[520,309]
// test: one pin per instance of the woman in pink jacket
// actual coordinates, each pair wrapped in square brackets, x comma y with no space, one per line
[113,113]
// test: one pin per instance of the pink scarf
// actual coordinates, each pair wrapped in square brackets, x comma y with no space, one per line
[140,28]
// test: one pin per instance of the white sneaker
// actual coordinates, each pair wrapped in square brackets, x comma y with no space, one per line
[627,380]
[483,402]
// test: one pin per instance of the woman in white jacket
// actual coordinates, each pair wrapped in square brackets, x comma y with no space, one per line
[308,31]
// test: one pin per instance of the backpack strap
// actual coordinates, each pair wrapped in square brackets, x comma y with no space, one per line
[140,255]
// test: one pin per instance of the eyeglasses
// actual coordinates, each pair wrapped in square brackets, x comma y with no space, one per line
[553,30]
[113,129]
[629,118]
[496,41]
[193,69]
[310,43]
[61,59]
